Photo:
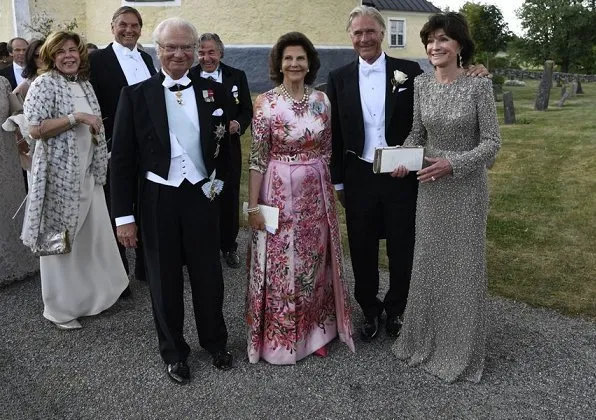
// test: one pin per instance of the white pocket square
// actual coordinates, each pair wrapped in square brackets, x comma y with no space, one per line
[401,89]
[218,112]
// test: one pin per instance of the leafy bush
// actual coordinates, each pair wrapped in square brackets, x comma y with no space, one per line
[498,80]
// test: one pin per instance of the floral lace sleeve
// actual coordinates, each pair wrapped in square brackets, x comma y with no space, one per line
[261,135]
[326,134]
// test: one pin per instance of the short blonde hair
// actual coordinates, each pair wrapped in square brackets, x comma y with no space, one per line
[54,42]
[366,11]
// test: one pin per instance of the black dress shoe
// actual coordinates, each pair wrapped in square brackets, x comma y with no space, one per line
[223,360]
[232,259]
[140,273]
[178,372]
[370,328]
[126,293]
[393,326]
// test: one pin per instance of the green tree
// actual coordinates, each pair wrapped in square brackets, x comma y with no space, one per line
[488,29]
[559,30]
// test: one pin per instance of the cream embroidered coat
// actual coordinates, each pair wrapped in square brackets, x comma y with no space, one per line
[53,202]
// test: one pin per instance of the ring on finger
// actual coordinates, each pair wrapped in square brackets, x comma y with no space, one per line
[432,178]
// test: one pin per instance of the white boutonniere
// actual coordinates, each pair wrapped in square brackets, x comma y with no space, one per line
[398,79]
[235,94]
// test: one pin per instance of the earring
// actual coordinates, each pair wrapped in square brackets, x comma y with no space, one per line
[307,70]
[459,61]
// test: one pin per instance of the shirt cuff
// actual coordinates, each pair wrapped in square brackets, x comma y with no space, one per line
[339,187]
[124,220]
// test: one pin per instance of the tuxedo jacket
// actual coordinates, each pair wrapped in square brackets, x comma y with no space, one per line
[141,139]
[241,111]
[8,72]
[108,79]
[347,121]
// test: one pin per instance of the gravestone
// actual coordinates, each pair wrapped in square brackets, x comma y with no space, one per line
[564,96]
[580,91]
[16,261]
[543,94]
[508,107]
[573,89]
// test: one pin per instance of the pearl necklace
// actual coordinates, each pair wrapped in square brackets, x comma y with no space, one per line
[297,105]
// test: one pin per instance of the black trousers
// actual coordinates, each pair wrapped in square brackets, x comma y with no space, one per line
[139,255]
[379,206]
[181,224]
[230,198]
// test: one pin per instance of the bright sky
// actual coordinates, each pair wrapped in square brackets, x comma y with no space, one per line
[507,7]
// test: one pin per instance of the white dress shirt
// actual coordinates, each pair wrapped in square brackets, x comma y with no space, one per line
[181,165]
[132,64]
[18,73]
[372,80]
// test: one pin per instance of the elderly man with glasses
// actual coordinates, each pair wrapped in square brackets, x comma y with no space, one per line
[172,133]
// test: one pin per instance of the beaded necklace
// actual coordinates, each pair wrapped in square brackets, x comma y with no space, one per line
[300,105]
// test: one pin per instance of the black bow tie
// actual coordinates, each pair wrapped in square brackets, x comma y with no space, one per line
[177,87]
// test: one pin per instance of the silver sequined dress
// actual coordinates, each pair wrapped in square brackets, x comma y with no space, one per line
[444,327]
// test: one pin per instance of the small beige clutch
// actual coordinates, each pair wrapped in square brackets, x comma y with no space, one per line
[388,158]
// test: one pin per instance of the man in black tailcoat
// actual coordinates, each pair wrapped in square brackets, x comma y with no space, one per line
[211,51]
[120,64]
[171,131]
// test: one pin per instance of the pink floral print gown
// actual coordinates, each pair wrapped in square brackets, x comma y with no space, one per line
[297,298]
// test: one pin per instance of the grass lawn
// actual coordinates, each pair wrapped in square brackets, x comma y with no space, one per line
[542,221]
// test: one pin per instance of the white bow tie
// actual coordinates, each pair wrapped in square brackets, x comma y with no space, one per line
[135,55]
[366,69]
[168,82]
[214,75]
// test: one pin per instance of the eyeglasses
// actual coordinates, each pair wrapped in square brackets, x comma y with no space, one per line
[170,49]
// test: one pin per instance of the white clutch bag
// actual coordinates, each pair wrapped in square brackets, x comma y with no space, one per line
[388,158]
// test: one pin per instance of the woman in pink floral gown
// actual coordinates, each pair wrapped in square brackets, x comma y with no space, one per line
[297,298]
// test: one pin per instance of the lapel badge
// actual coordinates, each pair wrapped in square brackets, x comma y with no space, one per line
[208,95]
[220,131]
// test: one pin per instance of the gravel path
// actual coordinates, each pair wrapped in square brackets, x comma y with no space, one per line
[541,365]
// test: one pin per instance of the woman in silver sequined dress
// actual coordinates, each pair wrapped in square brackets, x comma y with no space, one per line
[444,328]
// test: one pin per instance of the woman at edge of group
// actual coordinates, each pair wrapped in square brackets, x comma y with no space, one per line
[297,298]
[33,63]
[67,173]
[455,119]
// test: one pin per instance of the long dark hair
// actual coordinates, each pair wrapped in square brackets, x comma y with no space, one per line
[30,69]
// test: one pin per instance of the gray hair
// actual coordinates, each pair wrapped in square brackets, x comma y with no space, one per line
[177,23]
[212,36]
[369,11]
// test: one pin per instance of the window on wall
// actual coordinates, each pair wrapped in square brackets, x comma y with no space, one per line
[397,33]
